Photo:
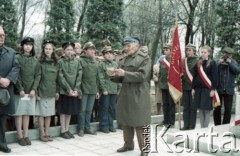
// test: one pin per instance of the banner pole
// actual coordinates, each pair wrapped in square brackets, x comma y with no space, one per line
[179,113]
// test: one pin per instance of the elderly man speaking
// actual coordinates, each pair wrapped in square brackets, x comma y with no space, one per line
[133,106]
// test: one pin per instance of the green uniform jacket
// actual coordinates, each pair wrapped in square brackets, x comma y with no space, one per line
[29,75]
[105,84]
[163,75]
[48,82]
[89,76]
[69,76]
[133,106]
[191,62]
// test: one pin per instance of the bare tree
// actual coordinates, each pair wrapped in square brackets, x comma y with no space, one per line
[159,33]
[80,21]
[24,11]
[189,32]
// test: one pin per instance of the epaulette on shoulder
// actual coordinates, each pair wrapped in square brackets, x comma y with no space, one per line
[143,54]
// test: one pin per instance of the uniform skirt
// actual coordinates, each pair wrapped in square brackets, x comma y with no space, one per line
[68,105]
[202,99]
[45,107]
[24,106]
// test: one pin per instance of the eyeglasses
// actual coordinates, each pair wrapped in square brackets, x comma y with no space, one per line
[2,35]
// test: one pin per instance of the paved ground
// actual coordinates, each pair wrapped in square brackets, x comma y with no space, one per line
[100,144]
[89,145]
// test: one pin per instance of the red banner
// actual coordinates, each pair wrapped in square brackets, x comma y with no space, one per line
[174,74]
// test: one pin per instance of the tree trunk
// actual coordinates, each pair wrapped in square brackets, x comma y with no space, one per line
[189,31]
[24,11]
[80,22]
[158,34]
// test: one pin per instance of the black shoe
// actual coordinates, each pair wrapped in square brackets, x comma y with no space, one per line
[22,142]
[105,131]
[81,133]
[70,134]
[112,129]
[28,142]
[90,132]
[64,135]
[124,149]
[5,149]
[184,128]
[191,128]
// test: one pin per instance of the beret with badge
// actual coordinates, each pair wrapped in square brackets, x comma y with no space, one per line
[49,42]
[65,44]
[27,40]
[127,40]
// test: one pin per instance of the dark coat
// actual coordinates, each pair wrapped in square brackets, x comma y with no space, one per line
[9,68]
[202,99]
[211,73]
[133,106]
[226,77]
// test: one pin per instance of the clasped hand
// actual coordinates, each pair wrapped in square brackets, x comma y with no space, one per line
[116,72]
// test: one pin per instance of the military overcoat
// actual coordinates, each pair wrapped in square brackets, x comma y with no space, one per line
[133,105]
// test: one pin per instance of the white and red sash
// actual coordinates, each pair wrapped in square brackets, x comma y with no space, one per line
[208,83]
[166,63]
[187,72]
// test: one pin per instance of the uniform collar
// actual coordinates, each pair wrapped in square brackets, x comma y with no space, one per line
[135,54]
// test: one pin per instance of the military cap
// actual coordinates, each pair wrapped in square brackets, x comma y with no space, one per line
[49,41]
[105,50]
[228,50]
[106,42]
[190,46]
[118,51]
[27,40]
[167,45]
[68,43]
[127,40]
[88,45]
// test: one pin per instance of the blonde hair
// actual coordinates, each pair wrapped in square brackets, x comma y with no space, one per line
[78,45]
[200,61]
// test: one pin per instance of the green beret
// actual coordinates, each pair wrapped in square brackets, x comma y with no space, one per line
[88,45]
[167,45]
[107,49]
[190,46]
[228,50]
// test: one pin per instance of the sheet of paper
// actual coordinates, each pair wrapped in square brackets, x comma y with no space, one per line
[26,97]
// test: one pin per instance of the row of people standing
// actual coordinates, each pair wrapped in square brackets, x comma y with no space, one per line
[197,94]
[67,79]
[74,82]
